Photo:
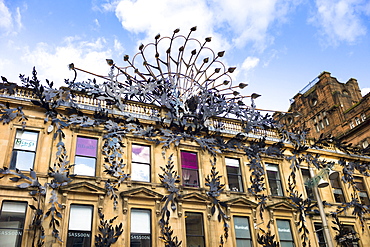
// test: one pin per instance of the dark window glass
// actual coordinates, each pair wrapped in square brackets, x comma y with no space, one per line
[189,164]
[362,192]
[234,175]
[319,230]
[79,228]
[24,150]
[337,190]
[140,165]
[12,217]
[285,233]
[140,228]
[306,176]
[273,176]
[242,232]
[85,158]
[350,232]
[194,229]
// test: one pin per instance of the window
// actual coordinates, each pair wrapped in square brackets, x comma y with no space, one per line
[140,165]
[306,176]
[363,116]
[349,231]
[85,158]
[79,228]
[365,144]
[362,190]
[357,120]
[242,232]
[24,150]
[326,120]
[233,174]
[319,230]
[285,233]
[194,229]
[12,217]
[140,228]
[337,190]
[273,176]
[189,164]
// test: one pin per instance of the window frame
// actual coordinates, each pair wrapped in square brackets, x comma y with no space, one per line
[88,244]
[250,238]
[309,191]
[87,156]
[149,163]
[183,169]
[140,233]
[13,161]
[19,238]
[278,179]
[361,180]
[338,188]
[351,226]
[291,232]
[318,227]
[203,236]
[238,176]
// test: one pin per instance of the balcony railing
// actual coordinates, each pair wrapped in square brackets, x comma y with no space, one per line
[145,111]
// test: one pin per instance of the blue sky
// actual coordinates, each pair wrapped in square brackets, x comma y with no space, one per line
[277,46]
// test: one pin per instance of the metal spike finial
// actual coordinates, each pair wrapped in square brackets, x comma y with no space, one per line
[109,62]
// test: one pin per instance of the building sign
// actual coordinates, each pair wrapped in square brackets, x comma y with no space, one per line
[86,147]
[11,232]
[139,237]
[75,234]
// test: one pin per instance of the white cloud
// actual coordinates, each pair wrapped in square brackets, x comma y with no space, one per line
[118,47]
[250,63]
[18,18]
[244,21]
[6,22]
[52,62]
[365,91]
[340,20]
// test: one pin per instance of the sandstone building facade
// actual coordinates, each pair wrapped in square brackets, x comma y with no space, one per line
[329,107]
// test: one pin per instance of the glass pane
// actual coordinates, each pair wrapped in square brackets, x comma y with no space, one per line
[25,140]
[335,183]
[80,218]
[194,229]
[190,177]
[189,160]
[12,219]
[141,154]
[84,166]
[232,162]
[243,243]
[286,244]
[275,185]
[86,146]
[284,230]
[22,160]
[241,225]
[140,172]
[194,224]
[235,183]
[232,170]
[195,241]
[272,167]
[140,221]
